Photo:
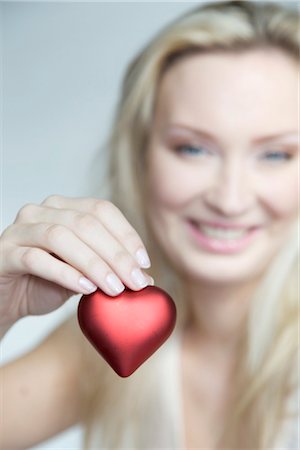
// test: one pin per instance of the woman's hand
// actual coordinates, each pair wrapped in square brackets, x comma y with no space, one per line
[66,246]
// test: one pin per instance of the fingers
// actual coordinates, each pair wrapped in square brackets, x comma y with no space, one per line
[111,217]
[78,213]
[34,261]
[114,221]
[90,236]
[93,252]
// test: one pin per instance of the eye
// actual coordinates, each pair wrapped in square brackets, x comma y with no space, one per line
[192,150]
[276,156]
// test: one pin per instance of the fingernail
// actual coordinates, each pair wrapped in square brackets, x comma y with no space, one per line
[114,283]
[87,285]
[138,278]
[151,281]
[143,258]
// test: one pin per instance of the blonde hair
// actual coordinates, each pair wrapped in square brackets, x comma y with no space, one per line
[270,342]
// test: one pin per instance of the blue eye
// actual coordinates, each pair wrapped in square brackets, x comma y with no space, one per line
[191,150]
[276,156]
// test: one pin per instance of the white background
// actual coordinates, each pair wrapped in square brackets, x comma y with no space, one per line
[62,64]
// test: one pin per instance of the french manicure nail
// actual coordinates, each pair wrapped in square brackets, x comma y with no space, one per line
[143,258]
[138,278]
[87,285]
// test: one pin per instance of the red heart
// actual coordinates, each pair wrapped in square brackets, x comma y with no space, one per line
[127,329]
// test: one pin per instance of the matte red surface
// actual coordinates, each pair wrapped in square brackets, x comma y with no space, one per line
[127,329]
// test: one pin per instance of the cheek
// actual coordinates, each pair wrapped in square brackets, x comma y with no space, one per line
[171,183]
[163,184]
[281,195]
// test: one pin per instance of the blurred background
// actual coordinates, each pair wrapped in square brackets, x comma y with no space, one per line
[62,65]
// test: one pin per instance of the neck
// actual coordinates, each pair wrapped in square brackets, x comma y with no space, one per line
[218,314]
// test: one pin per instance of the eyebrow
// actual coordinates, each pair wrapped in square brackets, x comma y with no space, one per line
[290,135]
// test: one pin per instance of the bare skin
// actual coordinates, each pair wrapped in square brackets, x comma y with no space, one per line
[49,247]
[44,254]
[238,176]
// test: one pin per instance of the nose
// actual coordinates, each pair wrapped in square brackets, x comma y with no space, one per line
[230,193]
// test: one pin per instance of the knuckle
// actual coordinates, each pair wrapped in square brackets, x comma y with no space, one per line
[55,233]
[25,212]
[53,200]
[103,207]
[86,222]
[30,257]
[122,258]
[131,237]
[93,264]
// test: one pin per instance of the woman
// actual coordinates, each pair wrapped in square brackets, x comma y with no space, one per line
[203,174]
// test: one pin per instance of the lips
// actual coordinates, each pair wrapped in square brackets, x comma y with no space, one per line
[221,238]
[222,226]
[222,231]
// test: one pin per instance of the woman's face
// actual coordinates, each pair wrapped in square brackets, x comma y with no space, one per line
[222,162]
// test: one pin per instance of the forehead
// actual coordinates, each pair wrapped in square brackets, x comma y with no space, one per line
[252,86]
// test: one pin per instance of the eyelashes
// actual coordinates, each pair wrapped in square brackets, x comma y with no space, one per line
[272,156]
[277,156]
[193,150]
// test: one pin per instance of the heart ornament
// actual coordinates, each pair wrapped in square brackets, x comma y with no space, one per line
[127,329]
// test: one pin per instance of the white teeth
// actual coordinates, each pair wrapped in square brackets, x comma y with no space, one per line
[219,233]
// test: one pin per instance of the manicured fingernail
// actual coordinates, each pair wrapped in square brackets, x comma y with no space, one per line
[143,258]
[87,285]
[114,283]
[139,278]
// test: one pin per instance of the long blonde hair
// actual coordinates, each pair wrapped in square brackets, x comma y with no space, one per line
[270,342]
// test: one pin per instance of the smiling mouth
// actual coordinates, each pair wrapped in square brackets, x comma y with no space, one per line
[221,239]
[218,232]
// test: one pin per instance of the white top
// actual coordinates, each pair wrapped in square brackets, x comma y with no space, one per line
[163,418]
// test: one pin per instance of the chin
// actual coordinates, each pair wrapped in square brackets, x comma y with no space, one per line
[218,270]
[220,278]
